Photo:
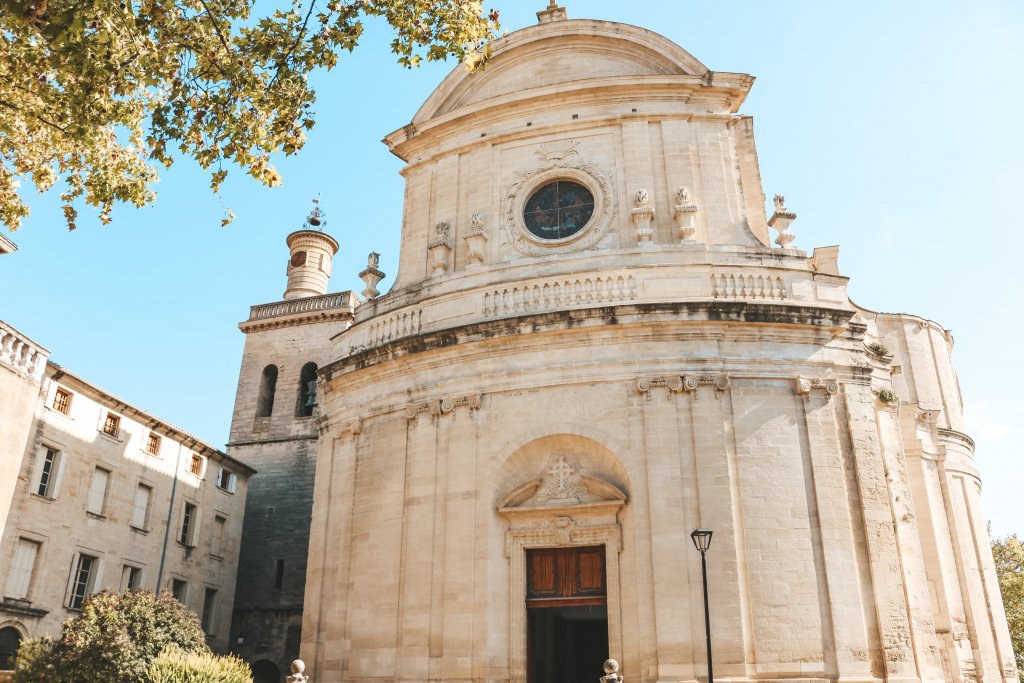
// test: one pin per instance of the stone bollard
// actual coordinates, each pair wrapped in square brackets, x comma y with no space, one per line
[611,672]
[298,666]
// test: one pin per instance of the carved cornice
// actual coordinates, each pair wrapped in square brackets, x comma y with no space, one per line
[805,385]
[443,406]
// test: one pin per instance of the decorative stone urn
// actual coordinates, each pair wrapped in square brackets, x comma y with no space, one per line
[685,211]
[643,215]
[476,240]
[372,275]
[440,249]
[781,220]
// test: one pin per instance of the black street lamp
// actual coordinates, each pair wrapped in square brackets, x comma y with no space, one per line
[702,539]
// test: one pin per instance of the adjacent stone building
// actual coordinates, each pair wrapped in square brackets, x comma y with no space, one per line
[591,349]
[274,428]
[99,494]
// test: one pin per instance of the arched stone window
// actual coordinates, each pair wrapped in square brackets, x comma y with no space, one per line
[268,385]
[307,391]
[10,639]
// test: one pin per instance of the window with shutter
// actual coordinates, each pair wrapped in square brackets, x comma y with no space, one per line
[20,578]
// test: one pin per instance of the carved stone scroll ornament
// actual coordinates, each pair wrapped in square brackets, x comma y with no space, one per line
[440,249]
[805,385]
[643,215]
[685,211]
[476,241]
[673,384]
[556,161]
[443,406]
[693,382]
[339,429]
[781,220]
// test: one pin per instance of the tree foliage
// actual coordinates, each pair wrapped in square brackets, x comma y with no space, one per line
[98,93]
[1008,554]
[115,638]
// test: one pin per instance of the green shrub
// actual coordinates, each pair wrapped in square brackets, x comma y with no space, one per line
[887,396]
[114,639]
[176,666]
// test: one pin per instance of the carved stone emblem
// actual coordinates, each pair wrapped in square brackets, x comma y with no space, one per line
[476,240]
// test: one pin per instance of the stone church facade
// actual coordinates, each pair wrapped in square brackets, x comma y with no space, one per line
[592,348]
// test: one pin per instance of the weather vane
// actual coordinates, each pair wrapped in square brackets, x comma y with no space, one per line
[316,217]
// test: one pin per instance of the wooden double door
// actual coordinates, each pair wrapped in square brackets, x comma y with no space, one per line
[566,614]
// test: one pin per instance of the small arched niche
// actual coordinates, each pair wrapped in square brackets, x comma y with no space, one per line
[306,397]
[268,387]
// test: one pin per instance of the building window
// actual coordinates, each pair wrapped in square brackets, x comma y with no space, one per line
[153,443]
[209,605]
[179,589]
[131,578]
[62,401]
[97,491]
[140,512]
[188,525]
[217,547]
[226,480]
[20,579]
[279,574]
[112,425]
[82,580]
[307,391]
[48,470]
[195,466]
[558,210]
[268,385]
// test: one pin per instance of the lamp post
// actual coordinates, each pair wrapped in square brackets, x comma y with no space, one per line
[702,540]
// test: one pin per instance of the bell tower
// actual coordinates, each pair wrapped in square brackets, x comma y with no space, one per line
[311,253]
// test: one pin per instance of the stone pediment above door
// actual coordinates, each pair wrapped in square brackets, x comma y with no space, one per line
[562,489]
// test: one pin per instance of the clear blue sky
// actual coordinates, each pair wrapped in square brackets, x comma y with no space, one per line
[893,129]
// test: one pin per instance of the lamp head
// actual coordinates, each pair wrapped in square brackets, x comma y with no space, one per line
[701,539]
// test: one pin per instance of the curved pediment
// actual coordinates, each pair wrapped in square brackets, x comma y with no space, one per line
[561,486]
[561,52]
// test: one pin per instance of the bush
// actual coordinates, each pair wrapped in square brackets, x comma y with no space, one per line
[176,666]
[35,661]
[888,396]
[115,638]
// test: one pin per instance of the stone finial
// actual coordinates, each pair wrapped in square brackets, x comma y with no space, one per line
[297,676]
[685,210]
[372,275]
[611,672]
[643,215]
[551,13]
[781,220]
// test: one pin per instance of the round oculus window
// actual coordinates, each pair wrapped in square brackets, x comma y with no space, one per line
[558,210]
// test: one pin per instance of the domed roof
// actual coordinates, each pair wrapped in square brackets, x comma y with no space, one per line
[579,56]
[563,52]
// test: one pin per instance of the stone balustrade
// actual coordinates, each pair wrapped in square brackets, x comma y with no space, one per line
[21,354]
[309,304]
[709,282]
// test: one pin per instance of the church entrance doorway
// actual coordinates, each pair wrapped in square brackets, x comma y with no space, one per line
[566,614]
